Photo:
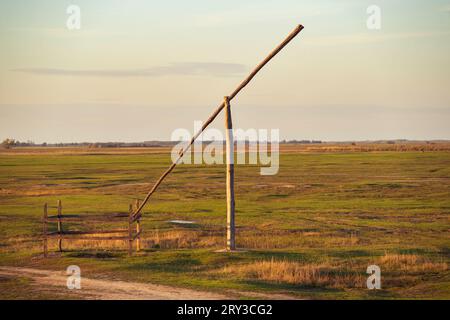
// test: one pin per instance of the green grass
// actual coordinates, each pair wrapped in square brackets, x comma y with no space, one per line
[345,208]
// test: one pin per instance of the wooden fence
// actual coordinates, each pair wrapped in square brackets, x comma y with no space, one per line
[130,233]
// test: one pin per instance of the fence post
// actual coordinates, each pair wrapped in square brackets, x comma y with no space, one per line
[138,229]
[60,227]
[130,232]
[44,230]
[231,244]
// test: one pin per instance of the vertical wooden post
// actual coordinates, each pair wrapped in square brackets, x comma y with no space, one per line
[44,230]
[231,244]
[130,232]
[60,227]
[138,229]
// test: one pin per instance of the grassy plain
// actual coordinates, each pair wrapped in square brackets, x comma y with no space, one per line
[309,231]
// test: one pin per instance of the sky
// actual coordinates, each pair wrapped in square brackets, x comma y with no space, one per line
[137,70]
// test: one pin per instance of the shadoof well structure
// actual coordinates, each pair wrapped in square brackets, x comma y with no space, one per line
[135,213]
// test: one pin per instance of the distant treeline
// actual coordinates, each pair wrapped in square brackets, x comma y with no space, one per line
[300,141]
[7,143]
[398,144]
[16,143]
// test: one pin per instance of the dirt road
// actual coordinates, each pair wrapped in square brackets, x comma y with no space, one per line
[108,289]
[56,282]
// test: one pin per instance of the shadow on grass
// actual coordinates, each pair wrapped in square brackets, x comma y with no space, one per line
[182,261]
[94,254]
[305,291]
[352,253]
[276,255]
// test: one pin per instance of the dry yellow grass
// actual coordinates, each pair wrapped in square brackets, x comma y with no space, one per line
[92,243]
[182,239]
[284,148]
[171,239]
[177,239]
[272,240]
[410,263]
[167,239]
[284,271]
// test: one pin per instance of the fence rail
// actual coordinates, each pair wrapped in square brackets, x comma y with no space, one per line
[62,231]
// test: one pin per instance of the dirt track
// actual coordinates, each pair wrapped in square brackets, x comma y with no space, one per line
[56,281]
[109,289]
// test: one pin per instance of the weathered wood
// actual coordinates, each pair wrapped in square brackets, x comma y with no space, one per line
[231,244]
[130,231]
[61,234]
[137,216]
[87,219]
[44,231]
[76,232]
[60,227]
[218,110]
[137,235]
[72,237]
[138,229]
[90,217]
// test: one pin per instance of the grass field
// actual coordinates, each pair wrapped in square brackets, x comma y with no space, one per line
[309,231]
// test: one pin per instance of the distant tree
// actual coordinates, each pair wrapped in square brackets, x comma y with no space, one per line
[8,143]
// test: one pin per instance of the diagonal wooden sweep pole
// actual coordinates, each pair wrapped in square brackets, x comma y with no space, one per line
[216,112]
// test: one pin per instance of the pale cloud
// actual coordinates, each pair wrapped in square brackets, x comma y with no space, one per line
[62,32]
[366,38]
[216,69]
